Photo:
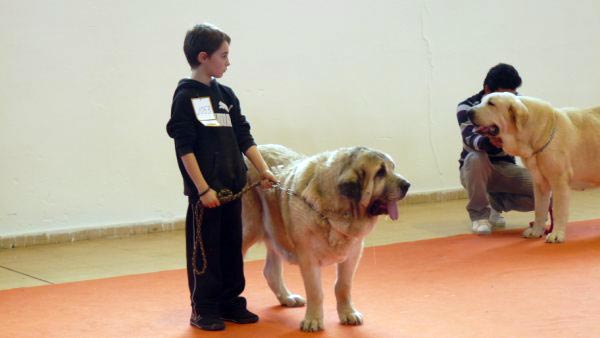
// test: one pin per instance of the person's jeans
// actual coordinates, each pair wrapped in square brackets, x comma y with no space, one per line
[219,287]
[503,185]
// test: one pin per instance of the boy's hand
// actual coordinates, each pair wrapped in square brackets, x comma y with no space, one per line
[267,179]
[210,199]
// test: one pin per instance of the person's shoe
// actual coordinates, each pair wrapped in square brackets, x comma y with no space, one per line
[207,323]
[481,227]
[240,316]
[496,219]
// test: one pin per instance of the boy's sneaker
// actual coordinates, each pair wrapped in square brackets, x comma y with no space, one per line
[207,323]
[481,227]
[240,316]
[496,219]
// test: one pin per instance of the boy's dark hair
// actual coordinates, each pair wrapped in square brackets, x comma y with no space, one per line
[202,38]
[504,76]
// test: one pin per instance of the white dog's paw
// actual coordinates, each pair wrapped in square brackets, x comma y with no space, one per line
[555,237]
[350,317]
[310,324]
[533,232]
[292,301]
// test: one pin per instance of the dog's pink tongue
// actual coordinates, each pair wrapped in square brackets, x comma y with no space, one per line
[393,210]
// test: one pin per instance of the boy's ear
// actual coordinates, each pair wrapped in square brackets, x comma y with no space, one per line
[202,57]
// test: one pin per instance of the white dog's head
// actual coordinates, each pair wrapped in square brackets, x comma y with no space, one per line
[367,178]
[505,116]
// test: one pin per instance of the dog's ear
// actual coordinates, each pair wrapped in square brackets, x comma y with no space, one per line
[518,113]
[349,185]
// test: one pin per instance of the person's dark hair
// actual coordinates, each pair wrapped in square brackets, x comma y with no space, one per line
[504,76]
[202,38]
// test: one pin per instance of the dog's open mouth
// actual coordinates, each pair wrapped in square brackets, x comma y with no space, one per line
[492,130]
[380,207]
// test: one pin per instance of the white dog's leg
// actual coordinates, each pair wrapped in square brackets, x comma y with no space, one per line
[541,194]
[273,270]
[273,273]
[343,286]
[561,193]
[311,274]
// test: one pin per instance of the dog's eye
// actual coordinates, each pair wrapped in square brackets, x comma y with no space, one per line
[491,103]
[381,172]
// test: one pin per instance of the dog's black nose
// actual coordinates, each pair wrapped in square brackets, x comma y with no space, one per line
[404,185]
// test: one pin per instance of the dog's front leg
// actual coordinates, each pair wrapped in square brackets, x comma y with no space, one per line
[311,274]
[541,195]
[343,286]
[561,193]
[273,273]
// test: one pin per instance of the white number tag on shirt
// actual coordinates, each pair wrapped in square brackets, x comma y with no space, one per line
[204,111]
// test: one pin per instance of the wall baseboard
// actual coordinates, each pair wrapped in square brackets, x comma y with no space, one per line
[435,196]
[72,235]
[132,229]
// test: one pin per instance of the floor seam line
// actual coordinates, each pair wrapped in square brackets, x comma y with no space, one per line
[24,274]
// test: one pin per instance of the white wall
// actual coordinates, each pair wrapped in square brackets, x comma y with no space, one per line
[87,89]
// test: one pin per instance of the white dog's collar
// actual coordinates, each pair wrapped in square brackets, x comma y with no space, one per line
[549,139]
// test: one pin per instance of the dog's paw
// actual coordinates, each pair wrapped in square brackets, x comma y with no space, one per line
[533,232]
[350,317]
[555,237]
[292,301]
[309,324]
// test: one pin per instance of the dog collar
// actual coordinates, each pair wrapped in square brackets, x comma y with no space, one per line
[549,139]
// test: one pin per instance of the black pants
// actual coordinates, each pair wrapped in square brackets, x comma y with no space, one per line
[218,288]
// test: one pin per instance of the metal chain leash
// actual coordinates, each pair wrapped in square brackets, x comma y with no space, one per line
[310,205]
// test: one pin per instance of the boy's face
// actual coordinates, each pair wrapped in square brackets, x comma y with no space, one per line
[216,64]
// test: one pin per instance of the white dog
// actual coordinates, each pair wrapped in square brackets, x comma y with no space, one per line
[326,205]
[560,147]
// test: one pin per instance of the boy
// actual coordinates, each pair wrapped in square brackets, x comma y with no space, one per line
[485,169]
[210,135]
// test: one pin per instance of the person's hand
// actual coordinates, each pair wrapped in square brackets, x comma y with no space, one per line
[267,179]
[496,141]
[210,199]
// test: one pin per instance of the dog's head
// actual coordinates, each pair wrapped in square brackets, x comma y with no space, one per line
[501,115]
[368,180]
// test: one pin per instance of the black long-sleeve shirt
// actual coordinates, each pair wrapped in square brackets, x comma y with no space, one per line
[219,149]
[473,141]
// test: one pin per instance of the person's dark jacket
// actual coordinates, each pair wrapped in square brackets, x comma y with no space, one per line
[218,149]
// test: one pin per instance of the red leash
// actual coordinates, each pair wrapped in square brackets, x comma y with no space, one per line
[549,230]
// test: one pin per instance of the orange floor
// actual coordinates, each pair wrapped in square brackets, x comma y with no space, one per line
[461,286]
